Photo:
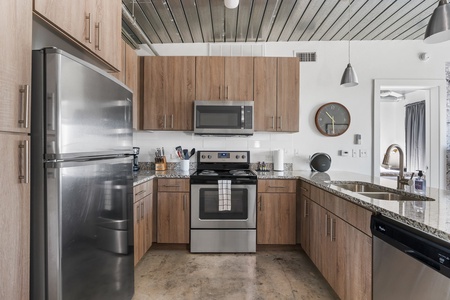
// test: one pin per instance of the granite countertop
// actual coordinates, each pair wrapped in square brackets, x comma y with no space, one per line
[431,217]
[143,176]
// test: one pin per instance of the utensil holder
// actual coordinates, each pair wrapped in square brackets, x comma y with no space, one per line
[184,165]
[162,165]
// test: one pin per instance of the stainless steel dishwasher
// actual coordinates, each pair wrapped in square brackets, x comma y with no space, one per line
[407,263]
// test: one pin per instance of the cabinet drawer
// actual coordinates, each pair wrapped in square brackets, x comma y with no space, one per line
[142,190]
[305,189]
[173,185]
[276,186]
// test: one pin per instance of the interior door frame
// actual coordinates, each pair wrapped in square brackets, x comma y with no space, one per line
[438,90]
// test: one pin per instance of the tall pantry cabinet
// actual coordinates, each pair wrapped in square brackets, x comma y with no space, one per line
[15,83]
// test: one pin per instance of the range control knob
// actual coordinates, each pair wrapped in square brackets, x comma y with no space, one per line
[237,156]
[243,156]
[209,156]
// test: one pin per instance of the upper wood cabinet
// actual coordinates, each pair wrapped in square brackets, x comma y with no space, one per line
[130,74]
[224,78]
[169,93]
[94,24]
[276,94]
[15,62]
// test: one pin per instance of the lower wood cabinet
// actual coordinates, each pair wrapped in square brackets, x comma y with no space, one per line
[276,212]
[173,209]
[341,251]
[143,219]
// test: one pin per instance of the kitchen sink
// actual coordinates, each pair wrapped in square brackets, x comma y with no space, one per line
[378,192]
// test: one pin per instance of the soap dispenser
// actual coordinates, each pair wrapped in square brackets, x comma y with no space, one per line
[419,183]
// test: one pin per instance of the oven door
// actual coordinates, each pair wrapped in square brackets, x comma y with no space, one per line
[205,207]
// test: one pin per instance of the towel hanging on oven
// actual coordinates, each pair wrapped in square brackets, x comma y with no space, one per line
[224,195]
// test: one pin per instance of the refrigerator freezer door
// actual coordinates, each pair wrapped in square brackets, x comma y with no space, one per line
[88,217]
[86,111]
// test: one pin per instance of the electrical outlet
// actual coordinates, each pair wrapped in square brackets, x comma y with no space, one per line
[354,153]
[362,153]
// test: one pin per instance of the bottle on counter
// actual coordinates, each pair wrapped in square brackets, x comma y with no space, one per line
[420,183]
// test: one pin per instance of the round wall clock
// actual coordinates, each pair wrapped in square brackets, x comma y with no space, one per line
[332,119]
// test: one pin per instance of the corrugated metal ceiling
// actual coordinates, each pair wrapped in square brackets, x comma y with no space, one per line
[204,21]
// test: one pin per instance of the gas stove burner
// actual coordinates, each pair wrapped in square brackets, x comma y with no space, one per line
[209,173]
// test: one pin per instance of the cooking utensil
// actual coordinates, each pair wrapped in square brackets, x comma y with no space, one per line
[185,154]
[192,152]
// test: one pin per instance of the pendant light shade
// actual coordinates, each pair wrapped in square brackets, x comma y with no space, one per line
[231,3]
[349,78]
[438,28]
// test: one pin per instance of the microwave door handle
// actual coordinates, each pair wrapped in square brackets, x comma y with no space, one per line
[242,117]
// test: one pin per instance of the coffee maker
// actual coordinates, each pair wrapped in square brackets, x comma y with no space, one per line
[135,159]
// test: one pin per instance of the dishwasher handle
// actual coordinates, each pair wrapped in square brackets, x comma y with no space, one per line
[419,256]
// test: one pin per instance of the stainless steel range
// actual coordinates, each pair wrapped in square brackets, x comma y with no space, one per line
[223,203]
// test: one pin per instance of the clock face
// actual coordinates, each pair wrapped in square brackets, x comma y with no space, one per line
[332,119]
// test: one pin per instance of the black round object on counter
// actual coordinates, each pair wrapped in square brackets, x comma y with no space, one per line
[320,162]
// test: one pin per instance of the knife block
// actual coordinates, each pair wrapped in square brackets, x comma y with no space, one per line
[161,165]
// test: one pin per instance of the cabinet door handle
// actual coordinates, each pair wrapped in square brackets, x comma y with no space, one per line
[138,213]
[220,92]
[171,186]
[184,202]
[277,187]
[226,95]
[306,213]
[24,168]
[260,203]
[88,36]
[25,93]
[281,122]
[333,229]
[171,121]
[273,122]
[97,27]
[142,210]
[326,225]
[165,118]
[304,189]
[139,193]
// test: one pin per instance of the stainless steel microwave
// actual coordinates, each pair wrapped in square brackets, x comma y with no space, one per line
[223,117]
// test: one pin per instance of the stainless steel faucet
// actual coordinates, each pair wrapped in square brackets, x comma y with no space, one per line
[401,182]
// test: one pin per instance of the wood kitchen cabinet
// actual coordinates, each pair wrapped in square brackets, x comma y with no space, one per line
[339,245]
[276,94]
[93,24]
[276,212]
[169,93]
[15,216]
[130,75]
[173,209]
[303,216]
[224,78]
[15,101]
[15,61]
[143,219]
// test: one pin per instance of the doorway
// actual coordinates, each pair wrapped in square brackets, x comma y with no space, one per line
[434,94]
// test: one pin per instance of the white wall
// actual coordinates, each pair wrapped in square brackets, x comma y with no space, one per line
[319,83]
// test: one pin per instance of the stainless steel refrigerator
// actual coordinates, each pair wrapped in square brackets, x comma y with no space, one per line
[81,181]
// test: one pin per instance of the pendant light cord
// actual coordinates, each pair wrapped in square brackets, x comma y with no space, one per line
[349,17]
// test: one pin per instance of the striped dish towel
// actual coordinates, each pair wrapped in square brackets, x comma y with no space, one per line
[224,195]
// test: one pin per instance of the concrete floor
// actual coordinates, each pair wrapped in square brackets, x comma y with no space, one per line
[271,273]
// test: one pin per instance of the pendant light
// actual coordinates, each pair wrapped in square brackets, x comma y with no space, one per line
[349,78]
[231,3]
[438,28]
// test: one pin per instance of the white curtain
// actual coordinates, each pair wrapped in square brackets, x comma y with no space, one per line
[415,136]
